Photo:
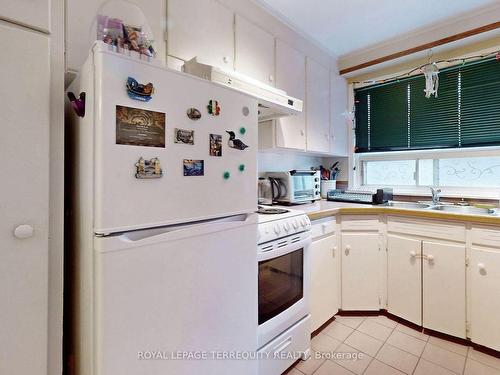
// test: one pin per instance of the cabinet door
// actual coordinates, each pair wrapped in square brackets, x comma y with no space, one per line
[254,51]
[324,284]
[31,13]
[360,271]
[485,297]
[24,150]
[201,28]
[317,107]
[444,287]
[291,77]
[339,125]
[404,278]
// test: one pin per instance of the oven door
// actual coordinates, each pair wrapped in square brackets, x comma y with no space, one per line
[283,286]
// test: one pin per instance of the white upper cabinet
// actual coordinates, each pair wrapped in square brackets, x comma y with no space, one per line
[201,28]
[317,107]
[31,13]
[254,51]
[291,77]
[339,126]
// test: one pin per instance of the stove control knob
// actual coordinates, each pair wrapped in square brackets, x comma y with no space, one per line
[286,226]
[303,222]
[277,229]
[266,230]
[295,224]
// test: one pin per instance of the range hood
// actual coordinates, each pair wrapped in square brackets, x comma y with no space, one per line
[273,103]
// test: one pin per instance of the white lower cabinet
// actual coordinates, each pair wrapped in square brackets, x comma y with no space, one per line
[484,273]
[443,274]
[324,280]
[360,271]
[404,278]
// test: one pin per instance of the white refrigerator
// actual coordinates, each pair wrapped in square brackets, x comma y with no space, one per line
[162,261]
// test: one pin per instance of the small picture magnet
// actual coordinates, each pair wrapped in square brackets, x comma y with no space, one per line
[193,114]
[138,91]
[235,143]
[215,145]
[184,136]
[139,127]
[194,167]
[213,108]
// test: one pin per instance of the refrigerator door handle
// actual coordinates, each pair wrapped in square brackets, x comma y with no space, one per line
[147,237]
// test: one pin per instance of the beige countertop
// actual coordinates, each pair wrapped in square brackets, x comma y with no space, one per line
[323,208]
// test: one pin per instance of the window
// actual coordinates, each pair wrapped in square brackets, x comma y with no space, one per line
[396,116]
[470,172]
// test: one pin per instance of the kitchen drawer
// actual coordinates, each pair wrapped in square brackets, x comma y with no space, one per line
[485,236]
[323,227]
[360,222]
[282,352]
[427,228]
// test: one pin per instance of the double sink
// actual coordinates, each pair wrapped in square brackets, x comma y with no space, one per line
[468,210]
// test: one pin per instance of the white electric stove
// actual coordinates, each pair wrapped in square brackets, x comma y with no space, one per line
[284,238]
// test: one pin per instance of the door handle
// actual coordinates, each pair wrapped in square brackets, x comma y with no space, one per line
[23,231]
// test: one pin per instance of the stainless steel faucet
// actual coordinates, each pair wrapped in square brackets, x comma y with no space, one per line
[435,195]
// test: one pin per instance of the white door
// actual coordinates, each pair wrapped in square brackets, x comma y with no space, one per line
[291,77]
[404,278]
[444,287]
[360,271]
[254,51]
[24,151]
[485,297]
[202,29]
[317,107]
[31,13]
[179,289]
[324,286]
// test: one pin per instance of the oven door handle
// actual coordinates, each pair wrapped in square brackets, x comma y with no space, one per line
[283,345]
[303,244]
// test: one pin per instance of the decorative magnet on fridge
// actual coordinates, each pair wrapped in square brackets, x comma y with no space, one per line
[184,136]
[138,91]
[145,169]
[215,145]
[235,143]
[213,108]
[193,114]
[78,104]
[193,167]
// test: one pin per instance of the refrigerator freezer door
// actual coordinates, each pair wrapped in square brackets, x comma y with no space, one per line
[123,202]
[190,289]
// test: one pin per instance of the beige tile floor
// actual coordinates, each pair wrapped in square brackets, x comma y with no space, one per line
[389,348]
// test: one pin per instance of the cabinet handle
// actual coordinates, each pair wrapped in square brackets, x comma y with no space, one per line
[225,59]
[413,254]
[271,78]
[430,258]
[347,249]
[23,231]
[302,133]
[482,268]
[334,250]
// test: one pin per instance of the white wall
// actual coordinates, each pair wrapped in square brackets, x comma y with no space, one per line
[285,161]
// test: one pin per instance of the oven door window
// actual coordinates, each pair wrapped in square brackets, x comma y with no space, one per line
[281,284]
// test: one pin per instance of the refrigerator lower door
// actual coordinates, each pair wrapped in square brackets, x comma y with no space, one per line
[176,300]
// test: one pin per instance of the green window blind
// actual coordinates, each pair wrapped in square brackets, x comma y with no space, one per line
[397,116]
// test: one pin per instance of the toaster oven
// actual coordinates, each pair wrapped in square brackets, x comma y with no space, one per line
[295,186]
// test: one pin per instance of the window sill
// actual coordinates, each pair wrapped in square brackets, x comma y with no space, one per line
[447,192]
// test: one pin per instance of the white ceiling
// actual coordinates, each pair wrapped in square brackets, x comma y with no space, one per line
[345,26]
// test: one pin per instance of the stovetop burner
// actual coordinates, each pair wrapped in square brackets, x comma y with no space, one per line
[271,211]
